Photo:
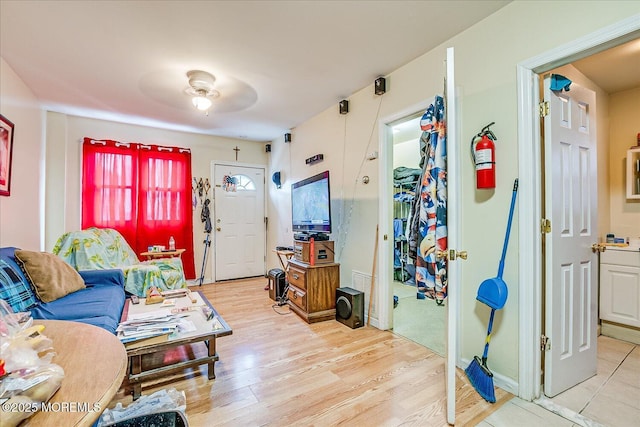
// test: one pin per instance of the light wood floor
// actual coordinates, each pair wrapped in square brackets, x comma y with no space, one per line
[278,370]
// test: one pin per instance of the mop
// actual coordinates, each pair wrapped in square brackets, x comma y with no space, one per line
[492,292]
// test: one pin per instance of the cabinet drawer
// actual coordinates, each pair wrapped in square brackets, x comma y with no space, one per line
[632,259]
[298,277]
[298,297]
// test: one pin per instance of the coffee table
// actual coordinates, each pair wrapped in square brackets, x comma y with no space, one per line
[206,331]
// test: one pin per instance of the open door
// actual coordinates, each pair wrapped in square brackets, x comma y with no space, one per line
[571,247]
[385,290]
[453,237]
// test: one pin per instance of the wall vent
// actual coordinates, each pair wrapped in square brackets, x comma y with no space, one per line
[362,282]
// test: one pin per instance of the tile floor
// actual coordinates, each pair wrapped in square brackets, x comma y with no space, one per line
[611,398]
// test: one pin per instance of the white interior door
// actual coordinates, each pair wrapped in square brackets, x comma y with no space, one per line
[453,237]
[238,221]
[385,245]
[571,265]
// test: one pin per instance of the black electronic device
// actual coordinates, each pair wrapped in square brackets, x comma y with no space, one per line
[305,237]
[380,86]
[284,248]
[314,159]
[343,106]
[277,284]
[311,205]
[350,307]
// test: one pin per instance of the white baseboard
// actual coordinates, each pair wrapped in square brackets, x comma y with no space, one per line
[499,380]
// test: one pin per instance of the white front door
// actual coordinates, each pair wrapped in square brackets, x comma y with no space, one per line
[238,221]
[571,265]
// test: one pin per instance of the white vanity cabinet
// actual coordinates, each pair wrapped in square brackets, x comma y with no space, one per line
[620,286]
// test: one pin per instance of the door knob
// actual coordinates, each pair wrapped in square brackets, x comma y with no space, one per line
[598,247]
[218,229]
[453,254]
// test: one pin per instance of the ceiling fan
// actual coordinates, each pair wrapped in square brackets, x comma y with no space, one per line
[221,94]
[201,88]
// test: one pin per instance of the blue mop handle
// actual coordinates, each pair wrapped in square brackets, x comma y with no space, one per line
[488,340]
[506,237]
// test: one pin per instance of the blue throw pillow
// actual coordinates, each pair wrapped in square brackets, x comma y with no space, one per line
[14,291]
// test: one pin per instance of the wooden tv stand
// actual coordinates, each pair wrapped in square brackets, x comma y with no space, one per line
[312,290]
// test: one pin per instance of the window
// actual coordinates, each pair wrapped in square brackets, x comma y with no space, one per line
[244,183]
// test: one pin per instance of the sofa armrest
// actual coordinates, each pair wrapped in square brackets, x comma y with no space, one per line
[107,277]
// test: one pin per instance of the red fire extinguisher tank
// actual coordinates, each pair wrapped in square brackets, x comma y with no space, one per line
[485,161]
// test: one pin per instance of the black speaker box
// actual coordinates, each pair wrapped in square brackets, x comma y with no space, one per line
[350,307]
[277,283]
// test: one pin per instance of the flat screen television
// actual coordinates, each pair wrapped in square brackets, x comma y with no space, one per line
[311,205]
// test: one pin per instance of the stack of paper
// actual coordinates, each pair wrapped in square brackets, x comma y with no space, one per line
[146,325]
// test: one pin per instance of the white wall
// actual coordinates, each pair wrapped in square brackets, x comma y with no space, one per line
[625,125]
[486,56]
[407,154]
[19,213]
[63,142]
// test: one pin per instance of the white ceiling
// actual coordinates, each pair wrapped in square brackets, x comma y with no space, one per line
[277,63]
[615,69]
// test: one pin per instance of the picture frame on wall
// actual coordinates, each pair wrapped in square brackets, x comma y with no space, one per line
[6,151]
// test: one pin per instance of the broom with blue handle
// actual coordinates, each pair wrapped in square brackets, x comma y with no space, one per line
[479,375]
[492,292]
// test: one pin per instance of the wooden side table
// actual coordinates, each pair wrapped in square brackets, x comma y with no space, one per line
[163,254]
[284,256]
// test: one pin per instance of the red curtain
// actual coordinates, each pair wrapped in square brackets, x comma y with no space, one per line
[164,203]
[143,191]
[109,187]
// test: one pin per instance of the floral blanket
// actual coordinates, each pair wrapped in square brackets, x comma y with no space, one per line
[101,248]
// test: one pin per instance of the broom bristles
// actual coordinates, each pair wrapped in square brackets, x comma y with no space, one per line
[481,379]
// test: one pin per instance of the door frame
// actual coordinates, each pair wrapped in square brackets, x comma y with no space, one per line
[385,212]
[212,169]
[530,211]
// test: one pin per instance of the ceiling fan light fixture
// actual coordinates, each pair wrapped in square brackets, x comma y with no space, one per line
[201,102]
[201,89]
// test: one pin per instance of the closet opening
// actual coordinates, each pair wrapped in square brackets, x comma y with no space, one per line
[413,318]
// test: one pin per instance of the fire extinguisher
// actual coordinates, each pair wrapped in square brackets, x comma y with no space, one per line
[483,152]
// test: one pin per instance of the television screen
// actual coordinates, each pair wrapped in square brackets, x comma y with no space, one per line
[310,204]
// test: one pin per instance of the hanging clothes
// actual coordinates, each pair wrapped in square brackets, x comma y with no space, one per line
[431,271]
[413,235]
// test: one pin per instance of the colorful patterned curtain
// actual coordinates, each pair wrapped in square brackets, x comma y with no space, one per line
[431,270]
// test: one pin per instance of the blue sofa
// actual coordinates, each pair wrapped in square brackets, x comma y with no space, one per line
[99,304]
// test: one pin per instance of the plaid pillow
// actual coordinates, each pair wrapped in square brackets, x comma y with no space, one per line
[15,292]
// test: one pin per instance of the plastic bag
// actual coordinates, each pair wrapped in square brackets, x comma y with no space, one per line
[31,379]
[163,400]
